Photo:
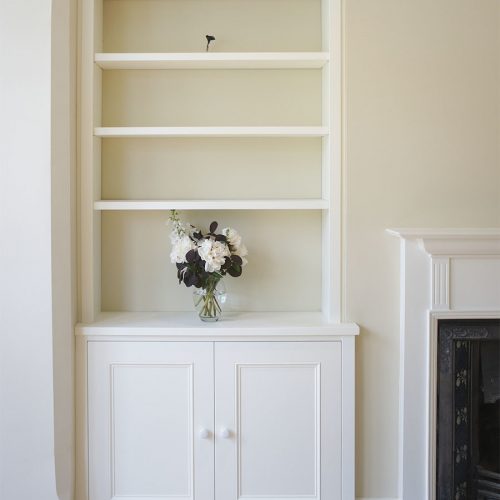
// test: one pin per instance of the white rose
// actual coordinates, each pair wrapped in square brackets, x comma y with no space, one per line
[214,254]
[233,237]
[180,247]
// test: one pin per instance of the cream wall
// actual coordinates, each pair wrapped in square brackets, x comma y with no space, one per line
[422,149]
[63,197]
[26,362]
[37,261]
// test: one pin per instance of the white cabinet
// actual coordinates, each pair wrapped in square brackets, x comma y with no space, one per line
[281,402]
[147,403]
[217,420]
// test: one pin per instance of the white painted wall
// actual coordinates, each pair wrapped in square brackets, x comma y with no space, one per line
[422,147]
[64,239]
[26,369]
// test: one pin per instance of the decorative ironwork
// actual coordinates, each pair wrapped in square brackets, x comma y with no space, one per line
[461,491]
[455,467]
[464,332]
[462,416]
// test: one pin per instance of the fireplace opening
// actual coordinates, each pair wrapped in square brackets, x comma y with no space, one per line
[468,410]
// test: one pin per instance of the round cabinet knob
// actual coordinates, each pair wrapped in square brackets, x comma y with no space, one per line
[204,433]
[225,433]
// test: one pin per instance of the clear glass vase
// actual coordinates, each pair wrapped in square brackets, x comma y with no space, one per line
[209,301]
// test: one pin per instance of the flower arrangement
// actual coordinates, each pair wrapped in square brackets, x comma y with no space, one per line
[203,259]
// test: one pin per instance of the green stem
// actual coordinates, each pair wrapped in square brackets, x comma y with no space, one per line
[211,305]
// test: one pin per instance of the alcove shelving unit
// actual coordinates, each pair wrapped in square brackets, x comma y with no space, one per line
[248,133]
[259,405]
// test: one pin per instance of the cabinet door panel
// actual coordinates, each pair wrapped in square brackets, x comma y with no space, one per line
[147,403]
[282,405]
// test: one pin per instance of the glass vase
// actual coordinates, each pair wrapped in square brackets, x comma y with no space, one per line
[209,301]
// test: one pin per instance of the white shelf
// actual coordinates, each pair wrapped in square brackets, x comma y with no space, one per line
[240,325]
[314,65]
[211,131]
[300,204]
[213,60]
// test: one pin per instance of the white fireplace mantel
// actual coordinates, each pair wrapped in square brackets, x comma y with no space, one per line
[445,273]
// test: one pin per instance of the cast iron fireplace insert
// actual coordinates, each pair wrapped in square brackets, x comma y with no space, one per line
[468,410]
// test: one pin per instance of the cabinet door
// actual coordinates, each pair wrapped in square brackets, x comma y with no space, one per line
[147,405]
[278,420]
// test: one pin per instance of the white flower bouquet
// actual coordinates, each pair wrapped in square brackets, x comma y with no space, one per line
[203,259]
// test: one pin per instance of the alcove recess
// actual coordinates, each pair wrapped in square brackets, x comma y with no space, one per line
[247,134]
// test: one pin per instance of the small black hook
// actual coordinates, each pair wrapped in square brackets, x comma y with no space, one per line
[210,38]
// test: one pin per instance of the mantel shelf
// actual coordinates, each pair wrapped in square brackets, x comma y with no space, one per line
[182,324]
[292,204]
[213,60]
[211,131]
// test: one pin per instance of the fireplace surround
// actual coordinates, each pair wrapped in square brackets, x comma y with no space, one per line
[445,274]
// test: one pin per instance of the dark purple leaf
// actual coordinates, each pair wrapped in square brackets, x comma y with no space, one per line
[191,280]
[235,271]
[237,259]
[191,256]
